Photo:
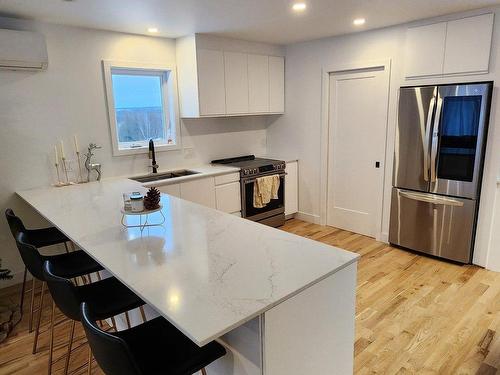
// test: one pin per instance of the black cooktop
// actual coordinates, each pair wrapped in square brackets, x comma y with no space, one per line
[247,161]
[251,166]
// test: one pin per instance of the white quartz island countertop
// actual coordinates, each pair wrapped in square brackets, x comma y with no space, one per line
[205,271]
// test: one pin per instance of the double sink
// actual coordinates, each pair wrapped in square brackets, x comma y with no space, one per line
[164,176]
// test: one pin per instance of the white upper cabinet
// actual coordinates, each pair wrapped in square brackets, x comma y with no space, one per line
[424,46]
[228,77]
[258,83]
[211,74]
[276,84]
[236,79]
[468,44]
[455,47]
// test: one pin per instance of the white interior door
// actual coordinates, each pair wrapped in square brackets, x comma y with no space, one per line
[357,136]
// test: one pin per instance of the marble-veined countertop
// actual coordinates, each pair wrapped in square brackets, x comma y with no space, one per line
[205,271]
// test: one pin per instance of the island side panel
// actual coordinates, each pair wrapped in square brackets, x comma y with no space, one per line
[313,332]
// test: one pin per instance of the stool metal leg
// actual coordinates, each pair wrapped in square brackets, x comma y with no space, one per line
[70,344]
[203,371]
[51,340]
[89,367]
[127,317]
[66,247]
[32,305]
[143,314]
[39,318]
[23,290]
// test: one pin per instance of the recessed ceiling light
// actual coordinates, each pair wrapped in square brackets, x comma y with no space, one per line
[359,21]
[299,7]
[152,29]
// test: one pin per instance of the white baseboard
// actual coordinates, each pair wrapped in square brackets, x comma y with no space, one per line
[310,218]
[383,237]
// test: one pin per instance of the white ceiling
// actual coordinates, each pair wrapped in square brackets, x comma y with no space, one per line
[258,20]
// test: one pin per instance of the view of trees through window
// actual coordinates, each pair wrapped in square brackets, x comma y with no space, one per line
[139,108]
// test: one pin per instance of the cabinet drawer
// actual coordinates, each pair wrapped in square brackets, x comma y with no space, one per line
[227,178]
[228,197]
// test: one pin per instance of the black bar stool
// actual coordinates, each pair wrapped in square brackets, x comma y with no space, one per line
[39,238]
[108,297]
[71,265]
[154,347]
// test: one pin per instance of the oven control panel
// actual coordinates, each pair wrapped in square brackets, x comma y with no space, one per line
[263,169]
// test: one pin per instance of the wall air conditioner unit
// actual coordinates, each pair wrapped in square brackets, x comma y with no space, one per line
[22,50]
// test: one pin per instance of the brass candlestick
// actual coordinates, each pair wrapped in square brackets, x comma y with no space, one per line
[80,177]
[65,169]
[59,183]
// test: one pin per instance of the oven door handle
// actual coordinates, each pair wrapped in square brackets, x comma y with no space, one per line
[254,179]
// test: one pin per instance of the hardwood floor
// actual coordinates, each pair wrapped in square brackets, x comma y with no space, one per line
[418,315]
[415,315]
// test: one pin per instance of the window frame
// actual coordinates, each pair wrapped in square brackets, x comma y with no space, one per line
[169,102]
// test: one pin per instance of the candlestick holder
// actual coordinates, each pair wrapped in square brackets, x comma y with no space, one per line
[59,183]
[80,176]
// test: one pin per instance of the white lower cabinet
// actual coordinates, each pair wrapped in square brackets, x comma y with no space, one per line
[222,192]
[291,188]
[174,190]
[201,191]
[228,197]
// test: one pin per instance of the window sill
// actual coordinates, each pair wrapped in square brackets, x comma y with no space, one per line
[145,150]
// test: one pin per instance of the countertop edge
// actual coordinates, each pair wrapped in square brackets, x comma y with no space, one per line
[278,302]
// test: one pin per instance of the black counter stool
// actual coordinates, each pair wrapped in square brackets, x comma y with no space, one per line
[108,297]
[71,265]
[39,238]
[152,348]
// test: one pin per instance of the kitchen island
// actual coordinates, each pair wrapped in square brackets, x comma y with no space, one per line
[280,303]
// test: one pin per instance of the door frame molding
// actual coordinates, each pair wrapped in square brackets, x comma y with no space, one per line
[326,71]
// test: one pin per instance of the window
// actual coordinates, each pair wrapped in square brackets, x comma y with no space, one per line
[142,105]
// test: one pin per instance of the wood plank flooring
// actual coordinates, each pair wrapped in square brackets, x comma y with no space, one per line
[415,315]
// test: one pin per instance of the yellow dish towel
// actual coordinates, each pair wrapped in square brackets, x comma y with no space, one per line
[265,189]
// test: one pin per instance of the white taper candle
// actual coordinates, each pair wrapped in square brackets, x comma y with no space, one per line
[62,150]
[75,139]
[56,156]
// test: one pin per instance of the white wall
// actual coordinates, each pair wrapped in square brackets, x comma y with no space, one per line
[298,132]
[39,108]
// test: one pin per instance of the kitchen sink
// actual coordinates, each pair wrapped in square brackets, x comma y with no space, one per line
[164,176]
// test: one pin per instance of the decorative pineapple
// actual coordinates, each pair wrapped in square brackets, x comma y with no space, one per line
[152,199]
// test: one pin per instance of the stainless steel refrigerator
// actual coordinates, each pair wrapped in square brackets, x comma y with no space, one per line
[438,164]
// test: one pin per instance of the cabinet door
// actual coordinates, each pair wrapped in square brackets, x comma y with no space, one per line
[236,78]
[212,95]
[424,50]
[228,197]
[258,83]
[291,188]
[276,84]
[170,190]
[468,44]
[200,191]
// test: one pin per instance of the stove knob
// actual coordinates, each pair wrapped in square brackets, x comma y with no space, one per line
[255,170]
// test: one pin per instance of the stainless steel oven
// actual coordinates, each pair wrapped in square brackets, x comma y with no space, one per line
[251,168]
[273,213]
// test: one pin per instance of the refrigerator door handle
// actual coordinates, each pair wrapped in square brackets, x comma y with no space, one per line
[435,139]
[425,141]
[429,198]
